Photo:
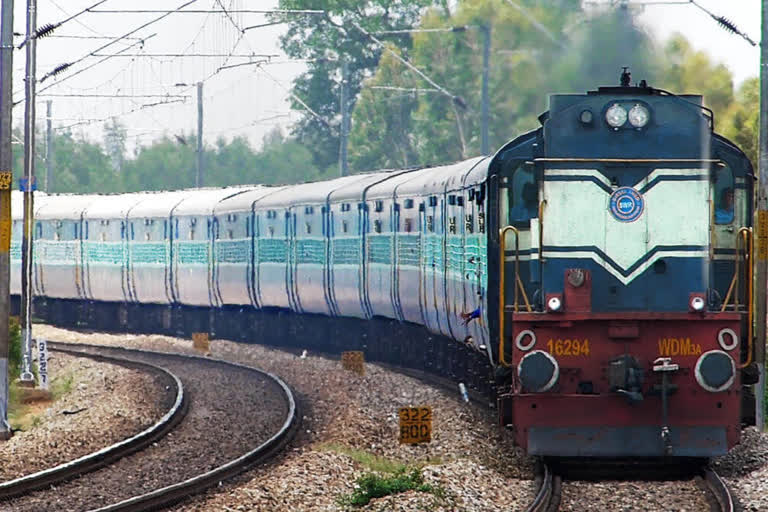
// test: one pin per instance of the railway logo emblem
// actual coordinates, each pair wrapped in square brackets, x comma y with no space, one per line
[626,204]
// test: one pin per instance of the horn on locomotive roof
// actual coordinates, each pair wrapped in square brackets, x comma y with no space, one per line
[626,76]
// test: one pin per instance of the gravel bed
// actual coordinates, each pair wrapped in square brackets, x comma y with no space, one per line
[226,418]
[635,496]
[348,418]
[114,403]
[745,470]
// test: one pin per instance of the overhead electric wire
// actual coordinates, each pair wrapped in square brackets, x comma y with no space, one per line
[457,99]
[75,95]
[182,55]
[725,23]
[459,28]
[54,36]
[537,24]
[46,29]
[208,11]
[141,42]
[404,89]
[97,50]
[294,96]
[125,113]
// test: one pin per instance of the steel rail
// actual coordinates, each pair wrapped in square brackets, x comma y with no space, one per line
[109,454]
[548,494]
[720,491]
[171,494]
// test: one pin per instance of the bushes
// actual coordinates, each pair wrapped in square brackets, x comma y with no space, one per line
[371,486]
[14,349]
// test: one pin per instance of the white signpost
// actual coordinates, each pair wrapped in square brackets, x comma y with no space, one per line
[42,361]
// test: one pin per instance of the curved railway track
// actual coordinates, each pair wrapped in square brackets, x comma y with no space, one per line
[237,416]
[549,488]
[109,454]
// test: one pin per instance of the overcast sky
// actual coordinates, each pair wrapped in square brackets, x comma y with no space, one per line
[244,100]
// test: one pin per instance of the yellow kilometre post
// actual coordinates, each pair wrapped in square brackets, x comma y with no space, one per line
[201,342]
[415,424]
[354,361]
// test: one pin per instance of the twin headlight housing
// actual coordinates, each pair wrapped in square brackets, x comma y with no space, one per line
[618,114]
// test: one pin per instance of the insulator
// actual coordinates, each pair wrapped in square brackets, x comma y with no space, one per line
[727,24]
[45,30]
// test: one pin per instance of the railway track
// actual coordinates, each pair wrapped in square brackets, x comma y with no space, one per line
[236,416]
[549,491]
[547,497]
[719,491]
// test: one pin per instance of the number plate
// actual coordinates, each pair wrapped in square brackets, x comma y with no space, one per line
[568,347]
[353,361]
[415,424]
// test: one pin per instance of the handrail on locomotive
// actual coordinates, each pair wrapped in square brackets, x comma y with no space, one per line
[744,247]
[519,288]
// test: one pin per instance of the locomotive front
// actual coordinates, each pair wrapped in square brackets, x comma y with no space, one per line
[624,260]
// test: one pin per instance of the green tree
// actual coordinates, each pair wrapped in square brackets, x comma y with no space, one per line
[284,161]
[741,122]
[165,165]
[327,38]
[690,71]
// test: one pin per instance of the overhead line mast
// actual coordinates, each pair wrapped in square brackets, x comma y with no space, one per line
[6,178]
[762,223]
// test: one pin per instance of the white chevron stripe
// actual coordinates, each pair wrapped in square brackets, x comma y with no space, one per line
[675,213]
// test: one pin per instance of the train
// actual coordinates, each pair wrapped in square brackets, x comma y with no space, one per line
[592,278]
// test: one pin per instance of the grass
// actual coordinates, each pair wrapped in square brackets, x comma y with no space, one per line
[384,477]
[372,485]
[23,416]
[367,459]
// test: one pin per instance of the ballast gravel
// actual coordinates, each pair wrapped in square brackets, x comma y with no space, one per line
[97,404]
[348,419]
[231,411]
[350,427]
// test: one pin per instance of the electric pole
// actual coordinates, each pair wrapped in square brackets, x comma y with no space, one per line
[199,179]
[48,145]
[762,222]
[344,133]
[6,178]
[28,186]
[484,143]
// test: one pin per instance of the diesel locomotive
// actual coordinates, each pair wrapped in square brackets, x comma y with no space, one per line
[593,277]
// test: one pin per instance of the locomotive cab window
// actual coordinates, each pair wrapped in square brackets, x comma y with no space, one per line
[522,196]
[723,195]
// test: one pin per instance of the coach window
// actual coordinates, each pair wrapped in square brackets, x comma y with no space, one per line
[723,195]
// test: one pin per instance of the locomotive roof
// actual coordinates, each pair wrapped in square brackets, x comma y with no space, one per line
[203,202]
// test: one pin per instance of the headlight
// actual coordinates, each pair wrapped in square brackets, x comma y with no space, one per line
[554,303]
[639,116]
[697,303]
[616,115]
[715,371]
